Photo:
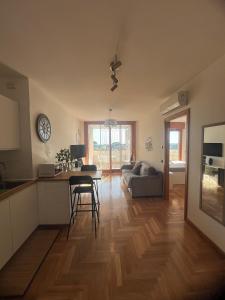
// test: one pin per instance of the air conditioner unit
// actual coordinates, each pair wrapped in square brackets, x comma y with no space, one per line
[175,102]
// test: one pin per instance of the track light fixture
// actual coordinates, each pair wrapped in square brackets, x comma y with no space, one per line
[114,66]
[115,80]
[115,86]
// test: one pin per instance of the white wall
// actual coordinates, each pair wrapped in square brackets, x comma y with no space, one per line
[18,162]
[150,126]
[32,99]
[207,106]
[66,128]
[207,103]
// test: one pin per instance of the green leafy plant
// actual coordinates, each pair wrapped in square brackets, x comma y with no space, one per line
[64,155]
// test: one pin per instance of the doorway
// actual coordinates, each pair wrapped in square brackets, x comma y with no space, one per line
[176,158]
[109,147]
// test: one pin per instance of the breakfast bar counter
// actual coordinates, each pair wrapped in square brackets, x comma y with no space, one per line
[26,204]
[54,199]
[64,176]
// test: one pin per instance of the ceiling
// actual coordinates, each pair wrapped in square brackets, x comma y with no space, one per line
[6,72]
[67,45]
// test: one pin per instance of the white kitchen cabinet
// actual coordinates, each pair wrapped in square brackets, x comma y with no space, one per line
[53,202]
[6,246]
[9,124]
[24,214]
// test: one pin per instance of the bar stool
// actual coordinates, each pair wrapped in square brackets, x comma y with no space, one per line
[81,185]
[92,168]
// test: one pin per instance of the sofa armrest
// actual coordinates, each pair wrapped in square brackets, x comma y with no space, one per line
[151,185]
[127,167]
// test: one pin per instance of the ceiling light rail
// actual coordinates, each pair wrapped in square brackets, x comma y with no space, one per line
[114,66]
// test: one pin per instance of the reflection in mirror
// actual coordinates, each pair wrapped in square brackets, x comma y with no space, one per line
[213,163]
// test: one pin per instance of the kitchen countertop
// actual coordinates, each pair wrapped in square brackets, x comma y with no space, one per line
[64,176]
[9,192]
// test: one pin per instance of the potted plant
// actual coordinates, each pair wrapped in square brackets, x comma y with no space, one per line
[64,157]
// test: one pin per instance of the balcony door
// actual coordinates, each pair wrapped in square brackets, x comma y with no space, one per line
[109,147]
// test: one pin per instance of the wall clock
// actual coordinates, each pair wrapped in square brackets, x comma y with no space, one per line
[43,127]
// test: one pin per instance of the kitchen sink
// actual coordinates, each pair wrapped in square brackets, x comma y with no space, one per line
[8,185]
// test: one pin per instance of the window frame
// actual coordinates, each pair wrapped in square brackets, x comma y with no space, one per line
[133,142]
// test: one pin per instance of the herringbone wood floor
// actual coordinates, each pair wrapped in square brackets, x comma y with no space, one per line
[144,250]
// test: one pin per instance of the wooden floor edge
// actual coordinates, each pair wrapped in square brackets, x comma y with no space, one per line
[38,267]
[52,226]
[41,263]
[215,246]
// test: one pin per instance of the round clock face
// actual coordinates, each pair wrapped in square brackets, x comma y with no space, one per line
[43,128]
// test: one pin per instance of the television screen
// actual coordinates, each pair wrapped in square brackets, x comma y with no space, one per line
[77,151]
[213,149]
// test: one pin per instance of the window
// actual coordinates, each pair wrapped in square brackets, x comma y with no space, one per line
[98,146]
[175,144]
[109,148]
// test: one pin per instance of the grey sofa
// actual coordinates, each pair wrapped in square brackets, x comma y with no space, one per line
[142,180]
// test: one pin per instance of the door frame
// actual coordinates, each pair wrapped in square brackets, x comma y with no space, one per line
[133,142]
[167,120]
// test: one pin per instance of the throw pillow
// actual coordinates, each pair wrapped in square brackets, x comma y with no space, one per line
[144,170]
[136,168]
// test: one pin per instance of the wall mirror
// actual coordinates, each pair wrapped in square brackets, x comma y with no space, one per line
[212,177]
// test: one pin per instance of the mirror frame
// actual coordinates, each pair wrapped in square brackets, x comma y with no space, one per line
[201,174]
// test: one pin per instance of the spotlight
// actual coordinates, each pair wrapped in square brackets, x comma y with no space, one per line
[115,65]
[115,80]
[114,87]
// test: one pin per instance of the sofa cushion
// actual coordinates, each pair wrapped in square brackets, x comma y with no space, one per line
[127,178]
[152,171]
[136,168]
[126,171]
[144,171]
